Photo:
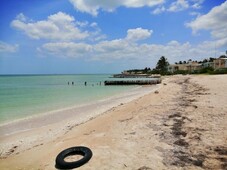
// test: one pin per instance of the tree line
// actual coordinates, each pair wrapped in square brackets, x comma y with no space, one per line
[162,68]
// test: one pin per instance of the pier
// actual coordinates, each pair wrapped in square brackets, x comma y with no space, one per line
[132,82]
[136,76]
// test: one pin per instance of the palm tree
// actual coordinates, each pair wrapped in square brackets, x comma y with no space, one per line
[162,65]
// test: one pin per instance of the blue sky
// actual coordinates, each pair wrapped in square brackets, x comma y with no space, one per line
[93,36]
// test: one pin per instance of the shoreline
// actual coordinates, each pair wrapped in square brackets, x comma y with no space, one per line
[127,96]
[27,97]
[61,121]
[182,126]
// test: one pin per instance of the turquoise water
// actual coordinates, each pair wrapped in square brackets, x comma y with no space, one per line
[23,96]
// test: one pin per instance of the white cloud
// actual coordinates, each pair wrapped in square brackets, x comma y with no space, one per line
[111,46]
[93,6]
[129,49]
[59,26]
[197,4]
[159,10]
[195,14]
[93,24]
[173,50]
[213,21]
[178,5]
[21,17]
[116,47]
[138,34]
[96,34]
[8,48]
[66,49]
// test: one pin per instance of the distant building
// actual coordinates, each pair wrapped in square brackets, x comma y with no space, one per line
[191,66]
[125,72]
[220,63]
[208,64]
[173,67]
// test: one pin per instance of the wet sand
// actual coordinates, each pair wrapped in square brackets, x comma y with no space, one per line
[180,126]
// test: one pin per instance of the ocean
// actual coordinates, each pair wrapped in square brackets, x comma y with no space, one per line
[23,96]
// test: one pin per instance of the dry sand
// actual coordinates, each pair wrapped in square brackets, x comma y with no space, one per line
[182,126]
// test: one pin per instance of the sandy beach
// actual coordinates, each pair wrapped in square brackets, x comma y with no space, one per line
[182,125]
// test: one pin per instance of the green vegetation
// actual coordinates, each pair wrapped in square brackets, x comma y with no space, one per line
[162,68]
[219,71]
[206,70]
[141,71]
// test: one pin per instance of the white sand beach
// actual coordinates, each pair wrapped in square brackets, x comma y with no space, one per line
[182,126]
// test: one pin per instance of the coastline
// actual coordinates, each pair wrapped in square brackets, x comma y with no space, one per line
[59,122]
[183,126]
[27,96]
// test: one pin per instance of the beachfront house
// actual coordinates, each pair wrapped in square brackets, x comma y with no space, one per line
[191,66]
[208,64]
[220,63]
[173,68]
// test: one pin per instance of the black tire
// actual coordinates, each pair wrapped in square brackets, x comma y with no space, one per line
[79,150]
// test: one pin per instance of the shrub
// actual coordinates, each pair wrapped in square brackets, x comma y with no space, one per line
[219,71]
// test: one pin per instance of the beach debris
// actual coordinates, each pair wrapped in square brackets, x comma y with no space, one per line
[8,153]
[85,152]
[181,142]
[164,84]
[183,159]
[125,120]
[174,115]
[221,150]
[89,132]
[156,92]
[144,168]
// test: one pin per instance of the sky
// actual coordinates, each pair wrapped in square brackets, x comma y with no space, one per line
[93,36]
